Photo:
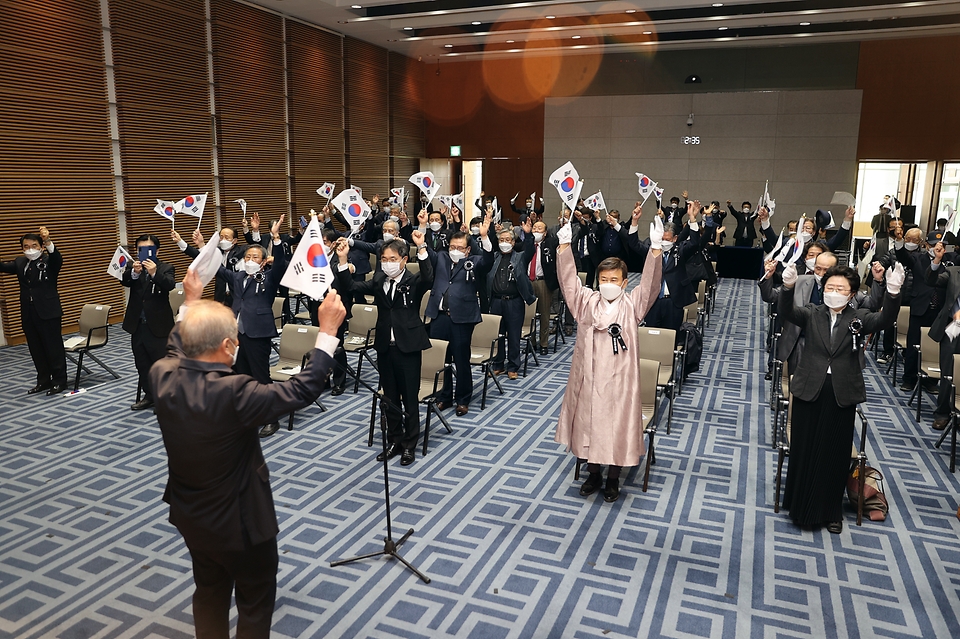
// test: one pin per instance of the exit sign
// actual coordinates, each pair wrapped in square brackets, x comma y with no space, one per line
[455,151]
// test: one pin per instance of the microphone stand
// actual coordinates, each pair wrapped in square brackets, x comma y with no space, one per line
[389,545]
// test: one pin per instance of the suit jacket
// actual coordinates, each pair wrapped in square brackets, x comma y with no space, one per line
[945,277]
[255,300]
[151,297]
[674,264]
[921,293]
[402,313]
[546,252]
[520,261]
[745,227]
[220,292]
[820,351]
[461,284]
[39,286]
[218,486]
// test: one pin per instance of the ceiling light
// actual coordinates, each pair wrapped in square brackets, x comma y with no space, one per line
[804,24]
[718,4]
[551,17]
[723,29]
[408,28]
[631,11]
[647,32]
[449,46]
[510,41]
[475,23]
[355,6]
[692,79]
[576,37]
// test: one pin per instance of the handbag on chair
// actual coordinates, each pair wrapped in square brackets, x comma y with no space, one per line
[874,499]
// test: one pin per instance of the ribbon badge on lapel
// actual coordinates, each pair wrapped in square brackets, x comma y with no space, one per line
[510,276]
[616,334]
[468,270]
[405,294]
[41,270]
[258,278]
[855,327]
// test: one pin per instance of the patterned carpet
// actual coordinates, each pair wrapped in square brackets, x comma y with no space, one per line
[511,547]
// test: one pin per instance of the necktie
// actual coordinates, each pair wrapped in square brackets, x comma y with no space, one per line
[390,292]
[533,263]
[815,296]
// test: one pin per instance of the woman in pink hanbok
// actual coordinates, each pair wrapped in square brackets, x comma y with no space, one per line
[600,418]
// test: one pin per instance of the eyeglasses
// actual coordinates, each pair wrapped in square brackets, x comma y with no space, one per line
[836,289]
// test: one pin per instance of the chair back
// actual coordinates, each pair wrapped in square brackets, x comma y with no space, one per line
[649,377]
[433,359]
[903,323]
[373,265]
[413,267]
[176,300]
[296,340]
[94,316]
[658,344]
[363,319]
[930,354]
[583,277]
[423,307]
[484,333]
[690,312]
[529,314]
[956,380]
[278,312]
[702,292]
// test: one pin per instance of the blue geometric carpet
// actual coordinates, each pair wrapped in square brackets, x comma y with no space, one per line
[512,548]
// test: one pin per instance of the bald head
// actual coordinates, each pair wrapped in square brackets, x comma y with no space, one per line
[914,235]
[206,325]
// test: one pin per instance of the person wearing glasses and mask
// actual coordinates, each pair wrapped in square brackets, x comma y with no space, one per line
[827,386]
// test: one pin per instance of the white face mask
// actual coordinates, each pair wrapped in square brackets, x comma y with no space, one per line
[610,292]
[819,278]
[666,246]
[456,256]
[389,237]
[910,246]
[746,211]
[236,352]
[391,269]
[811,263]
[474,230]
[506,247]
[835,301]
[930,252]
[394,218]
[538,237]
[251,267]
[805,237]
[434,226]
[32,254]
[225,245]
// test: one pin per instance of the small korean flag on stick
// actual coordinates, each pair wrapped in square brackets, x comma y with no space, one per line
[309,270]
[565,180]
[243,207]
[193,205]
[119,263]
[595,202]
[399,195]
[458,201]
[427,183]
[167,209]
[326,190]
[353,209]
[646,186]
[357,189]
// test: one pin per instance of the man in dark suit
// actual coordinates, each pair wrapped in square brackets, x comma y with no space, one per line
[218,486]
[674,214]
[746,233]
[529,207]
[231,255]
[543,276]
[339,377]
[148,317]
[437,236]
[509,290]
[941,276]
[676,290]
[611,237]
[925,301]
[40,311]
[454,311]
[400,338]
[585,244]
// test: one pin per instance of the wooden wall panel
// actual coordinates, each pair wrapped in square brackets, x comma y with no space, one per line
[163,108]
[366,116]
[406,119]
[314,61]
[251,130]
[55,150]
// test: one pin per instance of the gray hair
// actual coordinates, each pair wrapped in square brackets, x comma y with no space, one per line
[393,224]
[205,327]
[671,227]
[256,247]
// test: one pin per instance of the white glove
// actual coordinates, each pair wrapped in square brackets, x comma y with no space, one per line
[790,275]
[565,234]
[895,278]
[952,330]
[656,233]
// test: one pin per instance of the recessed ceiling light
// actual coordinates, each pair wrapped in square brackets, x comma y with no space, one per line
[723,29]
[475,22]
[804,24]
[355,6]
[631,11]
[408,28]
[510,41]
[449,46]
[551,17]
[718,4]
[576,37]
[647,32]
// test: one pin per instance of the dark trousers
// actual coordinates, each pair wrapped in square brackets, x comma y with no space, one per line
[890,340]
[340,355]
[511,325]
[664,314]
[286,313]
[253,572]
[400,381]
[458,352]
[948,347]
[147,349]
[45,341]
[254,358]
[911,355]
[588,266]
[743,242]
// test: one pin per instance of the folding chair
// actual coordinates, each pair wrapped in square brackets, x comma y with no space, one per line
[296,343]
[531,337]
[423,308]
[94,322]
[693,313]
[658,344]
[413,265]
[277,321]
[176,300]
[782,445]
[900,346]
[928,366]
[781,401]
[483,347]
[954,422]
[432,368]
[363,328]
[702,301]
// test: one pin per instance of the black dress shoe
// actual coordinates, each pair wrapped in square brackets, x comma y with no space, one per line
[592,484]
[143,404]
[940,423]
[768,376]
[39,388]
[336,390]
[56,389]
[908,386]
[568,331]
[611,492]
[462,410]
[392,451]
[932,386]
[407,457]
[544,350]
[836,527]
[269,429]
[444,405]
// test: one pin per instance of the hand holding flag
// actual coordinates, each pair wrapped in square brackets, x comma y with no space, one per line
[205,264]
[166,208]
[326,190]
[119,263]
[354,210]
[646,186]
[309,270]
[427,183]
[565,180]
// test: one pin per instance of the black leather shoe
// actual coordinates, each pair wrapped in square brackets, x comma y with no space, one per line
[544,350]
[611,492]
[462,410]
[836,527]
[931,386]
[592,484]
[336,390]
[56,389]
[444,405]
[568,331]
[269,429]
[940,423]
[407,457]
[143,404]
[39,388]
[768,376]
[392,451]
[908,387]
